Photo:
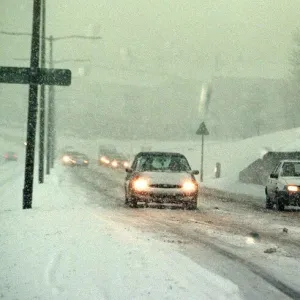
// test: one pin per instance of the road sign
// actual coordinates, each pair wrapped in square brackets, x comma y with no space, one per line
[202,130]
[37,76]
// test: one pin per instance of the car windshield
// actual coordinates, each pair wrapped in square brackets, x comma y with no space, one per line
[80,156]
[291,169]
[162,163]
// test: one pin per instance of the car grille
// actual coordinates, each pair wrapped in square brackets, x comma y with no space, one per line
[166,186]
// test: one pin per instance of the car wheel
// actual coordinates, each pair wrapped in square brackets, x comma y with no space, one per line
[279,204]
[192,206]
[133,202]
[269,204]
[126,198]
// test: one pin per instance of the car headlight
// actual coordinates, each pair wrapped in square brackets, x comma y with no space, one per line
[292,188]
[85,161]
[66,158]
[114,163]
[189,186]
[140,184]
[105,160]
[126,164]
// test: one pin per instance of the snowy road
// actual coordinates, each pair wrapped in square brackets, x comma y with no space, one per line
[218,236]
[80,242]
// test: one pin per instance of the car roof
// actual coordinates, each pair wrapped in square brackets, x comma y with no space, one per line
[75,153]
[159,153]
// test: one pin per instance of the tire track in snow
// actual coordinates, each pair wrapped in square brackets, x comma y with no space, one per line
[91,175]
[254,268]
[208,241]
[51,271]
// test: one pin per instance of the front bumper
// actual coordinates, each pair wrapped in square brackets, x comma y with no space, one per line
[74,164]
[157,195]
[289,198]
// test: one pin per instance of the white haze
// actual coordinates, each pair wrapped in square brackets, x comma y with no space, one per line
[145,76]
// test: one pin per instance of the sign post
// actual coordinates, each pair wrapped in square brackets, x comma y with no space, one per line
[33,76]
[202,130]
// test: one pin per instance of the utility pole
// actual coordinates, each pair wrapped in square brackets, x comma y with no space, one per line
[32,107]
[34,76]
[51,131]
[48,152]
[50,113]
[42,98]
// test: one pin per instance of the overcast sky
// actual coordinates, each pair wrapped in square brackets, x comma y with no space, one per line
[248,37]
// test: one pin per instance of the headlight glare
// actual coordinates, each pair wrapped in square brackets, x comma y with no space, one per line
[104,159]
[66,158]
[189,186]
[292,188]
[140,184]
[114,163]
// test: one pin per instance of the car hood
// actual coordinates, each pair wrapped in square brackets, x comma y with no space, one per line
[290,180]
[166,177]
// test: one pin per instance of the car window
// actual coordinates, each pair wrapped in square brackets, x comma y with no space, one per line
[290,169]
[171,163]
[276,170]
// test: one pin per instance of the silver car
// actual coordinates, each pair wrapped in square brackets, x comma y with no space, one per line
[163,179]
[283,186]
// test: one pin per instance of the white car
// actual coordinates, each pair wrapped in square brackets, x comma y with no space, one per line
[163,179]
[283,186]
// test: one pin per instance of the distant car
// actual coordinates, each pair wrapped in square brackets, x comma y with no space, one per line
[283,185]
[161,178]
[109,156]
[10,156]
[73,158]
[119,161]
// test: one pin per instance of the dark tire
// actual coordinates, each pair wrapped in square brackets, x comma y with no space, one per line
[279,204]
[192,206]
[269,204]
[133,202]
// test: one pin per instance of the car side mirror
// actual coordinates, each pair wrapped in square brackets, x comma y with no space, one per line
[274,176]
[195,172]
[128,170]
